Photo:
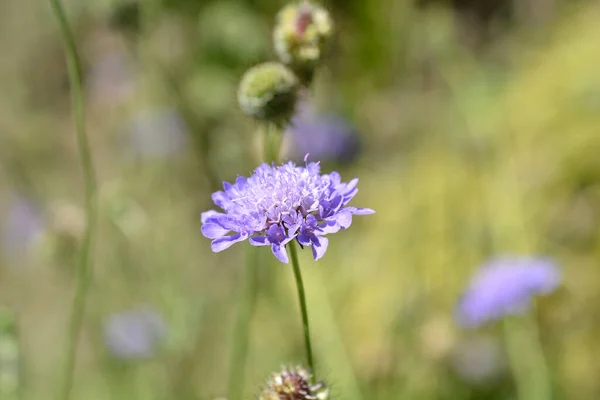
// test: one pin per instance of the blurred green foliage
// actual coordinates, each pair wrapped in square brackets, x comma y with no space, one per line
[466,122]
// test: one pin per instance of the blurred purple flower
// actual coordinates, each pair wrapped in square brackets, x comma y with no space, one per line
[506,286]
[326,137]
[158,133]
[134,334]
[278,204]
[21,227]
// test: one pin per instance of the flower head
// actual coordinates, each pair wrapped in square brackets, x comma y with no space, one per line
[326,137]
[278,204]
[269,91]
[134,334]
[506,286]
[294,384]
[301,32]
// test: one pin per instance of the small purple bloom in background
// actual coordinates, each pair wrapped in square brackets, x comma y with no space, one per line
[278,204]
[506,286]
[21,227]
[134,334]
[326,137]
[157,133]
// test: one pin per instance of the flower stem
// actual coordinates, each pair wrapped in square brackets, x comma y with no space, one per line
[272,143]
[84,267]
[527,358]
[241,333]
[303,308]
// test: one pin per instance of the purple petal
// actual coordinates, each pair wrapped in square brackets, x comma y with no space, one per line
[311,221]
[319,249]
[336,203]
[280,252]
[240,182]
[276,234]
[259,241]
[220,199]
[223,243]
[360,211]
[351,185]
[304,240]
[213,231]
[343,218]
[293,229]
[209,214]
[328,227]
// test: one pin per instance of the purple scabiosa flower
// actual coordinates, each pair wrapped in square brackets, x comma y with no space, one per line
[326,137]
[134,334]
[278,204]
[506,286]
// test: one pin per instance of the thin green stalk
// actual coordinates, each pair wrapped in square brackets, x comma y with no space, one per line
[84,266]
[303,308]
[241,333]
[510,233]
[526,358]
[272,143]
[11,370]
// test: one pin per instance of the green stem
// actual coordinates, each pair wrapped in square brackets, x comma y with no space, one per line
[527,358]
[11,370]
[303,308]
[84,267]
[272,143]
[241,333]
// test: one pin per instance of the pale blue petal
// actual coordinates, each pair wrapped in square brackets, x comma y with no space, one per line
[223,243]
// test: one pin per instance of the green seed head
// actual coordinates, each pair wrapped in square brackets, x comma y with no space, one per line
[269,92]
[301,34]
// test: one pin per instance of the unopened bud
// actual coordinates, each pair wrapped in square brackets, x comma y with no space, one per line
[300,36]
[269,92]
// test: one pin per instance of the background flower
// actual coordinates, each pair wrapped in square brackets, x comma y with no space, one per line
[506,286]
[134,334]
[326,137]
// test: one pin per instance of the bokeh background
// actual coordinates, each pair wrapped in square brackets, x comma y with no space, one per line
[474,127]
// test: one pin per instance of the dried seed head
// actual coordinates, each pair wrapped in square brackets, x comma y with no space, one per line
[300,36]
[269,92]
[294,384]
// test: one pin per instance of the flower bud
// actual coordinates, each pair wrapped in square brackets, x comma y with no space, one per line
[294,384]
[300,35]
[269,92]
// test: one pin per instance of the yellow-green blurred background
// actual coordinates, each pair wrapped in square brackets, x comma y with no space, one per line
[480,130]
